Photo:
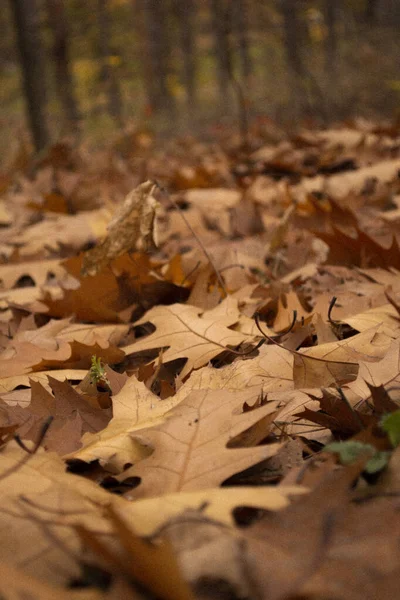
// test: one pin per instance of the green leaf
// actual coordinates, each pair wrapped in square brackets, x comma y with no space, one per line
[378,462]
[391,424]
[351,450]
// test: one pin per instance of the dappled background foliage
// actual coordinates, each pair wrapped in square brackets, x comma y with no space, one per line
[181,64]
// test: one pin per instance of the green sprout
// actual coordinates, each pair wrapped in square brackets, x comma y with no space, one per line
[97,372]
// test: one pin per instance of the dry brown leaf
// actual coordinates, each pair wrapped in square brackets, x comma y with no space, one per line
[40,491]
[140,558]
[190,333]
[134,408]
[7,384]
[271,370]
[312,373]
[39,271]
[69,230]
[215,503]
[190,449]
[15,583]
[60,344]
[385,316]
[73,416]
[360,250]
[385,372]
[132,228]
[369,345]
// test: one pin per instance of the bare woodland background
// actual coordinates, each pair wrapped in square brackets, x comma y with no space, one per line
[92,66]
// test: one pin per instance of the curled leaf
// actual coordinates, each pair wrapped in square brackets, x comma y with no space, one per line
[131,228]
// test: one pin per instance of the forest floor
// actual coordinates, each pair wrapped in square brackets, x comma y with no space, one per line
[200,367]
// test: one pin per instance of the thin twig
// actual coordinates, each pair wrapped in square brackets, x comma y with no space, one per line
[29,455]
[331,305]
[190,273]
[196,237]
[303,356]
[293,323]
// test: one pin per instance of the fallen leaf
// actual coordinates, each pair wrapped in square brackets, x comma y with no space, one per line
[190,333]
[214,503]
[134,408]
[131,228]
[190,449]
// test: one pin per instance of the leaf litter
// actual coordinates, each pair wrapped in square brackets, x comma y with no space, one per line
[153,439]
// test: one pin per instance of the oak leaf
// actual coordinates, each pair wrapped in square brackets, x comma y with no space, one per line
[385,372]
[39,271]
[135,407]
[59,344]
[270,371]
[68,230]
[190,333]
[361,251]
[73,416]
[190,447]
[215,503]
[7,384]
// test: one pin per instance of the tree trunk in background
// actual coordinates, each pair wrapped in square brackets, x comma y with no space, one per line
[142,56]
[388,13]
[156,23]
[221,26]
[26,17]
[292,46]
[108,74]
[185,11]
[241,20]
[58,23]
[370,14]
[331,46]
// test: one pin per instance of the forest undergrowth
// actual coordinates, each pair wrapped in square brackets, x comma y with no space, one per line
[200,367]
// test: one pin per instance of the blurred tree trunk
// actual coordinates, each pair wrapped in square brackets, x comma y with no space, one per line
[241,19]
[108,74]
[26,18]
[221,21]
[58,23]
[331,45]
[158,47]
[143,56]
[305,89]
[292,49]
[185,11]
[291,37]
[370,15]
[389,13]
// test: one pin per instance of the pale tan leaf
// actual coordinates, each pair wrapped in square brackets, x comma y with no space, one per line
[72,230]
[189,334]
[8,384]
[190,448]
[270,371]
[385,372]
[218,503]
[131,228]
[38,270]
[312,373]
[386,316]
[134,407]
